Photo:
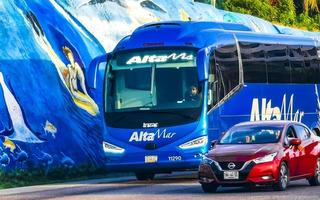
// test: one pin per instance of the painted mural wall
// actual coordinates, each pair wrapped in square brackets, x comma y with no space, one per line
[47,117]
[111,20]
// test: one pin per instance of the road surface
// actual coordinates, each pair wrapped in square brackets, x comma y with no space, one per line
[177,186]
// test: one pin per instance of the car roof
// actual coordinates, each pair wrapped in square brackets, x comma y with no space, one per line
[270,123]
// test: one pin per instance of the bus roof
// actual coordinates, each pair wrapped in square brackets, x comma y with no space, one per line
[200,35]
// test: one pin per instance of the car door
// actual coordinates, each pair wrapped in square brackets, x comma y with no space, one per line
[291,153]
[307,160]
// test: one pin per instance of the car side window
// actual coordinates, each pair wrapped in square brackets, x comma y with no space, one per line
[302,133]
[290,134]
[308,132]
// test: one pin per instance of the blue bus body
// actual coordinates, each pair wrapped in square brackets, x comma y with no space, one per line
[228,97]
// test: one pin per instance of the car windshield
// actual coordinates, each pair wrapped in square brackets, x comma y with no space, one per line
[252,135]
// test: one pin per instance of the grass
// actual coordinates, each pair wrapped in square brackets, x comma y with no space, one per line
[20,178]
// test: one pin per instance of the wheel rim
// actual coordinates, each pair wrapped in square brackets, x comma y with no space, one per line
[283,176]
[318,170]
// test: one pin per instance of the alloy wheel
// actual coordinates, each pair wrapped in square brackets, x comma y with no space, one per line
[318,170]
[315,179]
[283,176]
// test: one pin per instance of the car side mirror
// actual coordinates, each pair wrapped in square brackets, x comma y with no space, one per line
[213,143]
[295,142]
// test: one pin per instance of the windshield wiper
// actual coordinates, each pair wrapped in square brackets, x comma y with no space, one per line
[120,118]
[172,113]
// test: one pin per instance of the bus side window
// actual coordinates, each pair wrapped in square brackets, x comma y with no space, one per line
[297,64]
[278,67]
[311,71]
[253,61]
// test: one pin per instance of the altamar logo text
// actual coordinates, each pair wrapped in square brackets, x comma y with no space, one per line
[160,58]
[266,111]
[145,136]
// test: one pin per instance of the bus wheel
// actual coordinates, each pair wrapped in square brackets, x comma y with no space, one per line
[209,187]
[144,176]
[315,180]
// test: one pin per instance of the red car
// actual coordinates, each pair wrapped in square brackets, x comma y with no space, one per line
[262,153]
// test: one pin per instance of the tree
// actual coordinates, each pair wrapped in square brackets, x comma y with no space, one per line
[310,5]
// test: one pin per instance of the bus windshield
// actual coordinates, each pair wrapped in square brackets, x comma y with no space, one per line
[157,83]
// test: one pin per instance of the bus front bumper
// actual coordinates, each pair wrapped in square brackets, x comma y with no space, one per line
[156,162]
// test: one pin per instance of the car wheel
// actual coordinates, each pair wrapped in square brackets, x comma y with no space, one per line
[209,187]
[315,180]
[283,179]
[144,176]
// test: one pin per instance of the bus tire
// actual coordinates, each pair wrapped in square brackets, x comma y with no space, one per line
[209,187]
[144,176]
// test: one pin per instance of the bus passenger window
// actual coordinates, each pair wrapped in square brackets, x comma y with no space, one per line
[311,71]
[297,64]
[278,67]
[253,62]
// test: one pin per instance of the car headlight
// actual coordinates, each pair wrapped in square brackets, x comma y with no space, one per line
[264,159]
[110,148]
[198,142]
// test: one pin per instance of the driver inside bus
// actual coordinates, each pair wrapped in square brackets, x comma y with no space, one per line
[193,94]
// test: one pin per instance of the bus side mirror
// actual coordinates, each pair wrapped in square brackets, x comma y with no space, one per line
[93,71]
[203,64]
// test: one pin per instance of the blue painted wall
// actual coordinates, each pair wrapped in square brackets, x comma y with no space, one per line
[47,119]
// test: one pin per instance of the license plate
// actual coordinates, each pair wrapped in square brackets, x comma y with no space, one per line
[151,159]
[231,175]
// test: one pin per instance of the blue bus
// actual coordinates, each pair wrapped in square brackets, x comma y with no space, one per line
[172,87]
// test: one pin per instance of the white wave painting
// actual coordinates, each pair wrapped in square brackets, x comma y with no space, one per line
[21,131]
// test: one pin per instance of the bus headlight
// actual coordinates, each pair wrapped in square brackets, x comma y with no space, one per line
[198,142]
[110,148]
[264,159]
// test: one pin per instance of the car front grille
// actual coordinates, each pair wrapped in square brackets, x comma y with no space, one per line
[224,165]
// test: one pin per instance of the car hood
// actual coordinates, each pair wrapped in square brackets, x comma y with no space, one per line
[241,152]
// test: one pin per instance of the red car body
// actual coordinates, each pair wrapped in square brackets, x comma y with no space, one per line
[300,156]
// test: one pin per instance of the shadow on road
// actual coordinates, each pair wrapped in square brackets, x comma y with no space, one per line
[183,186]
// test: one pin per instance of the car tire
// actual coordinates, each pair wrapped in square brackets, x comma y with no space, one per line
[315,180]
[283,180]
[209,187]
[144,176]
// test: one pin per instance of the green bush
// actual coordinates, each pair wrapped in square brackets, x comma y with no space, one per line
[277,11]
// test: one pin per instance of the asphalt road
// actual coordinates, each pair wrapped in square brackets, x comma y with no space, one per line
[177,186]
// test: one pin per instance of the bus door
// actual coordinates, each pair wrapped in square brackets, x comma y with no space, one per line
[225,71]
[225,79]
